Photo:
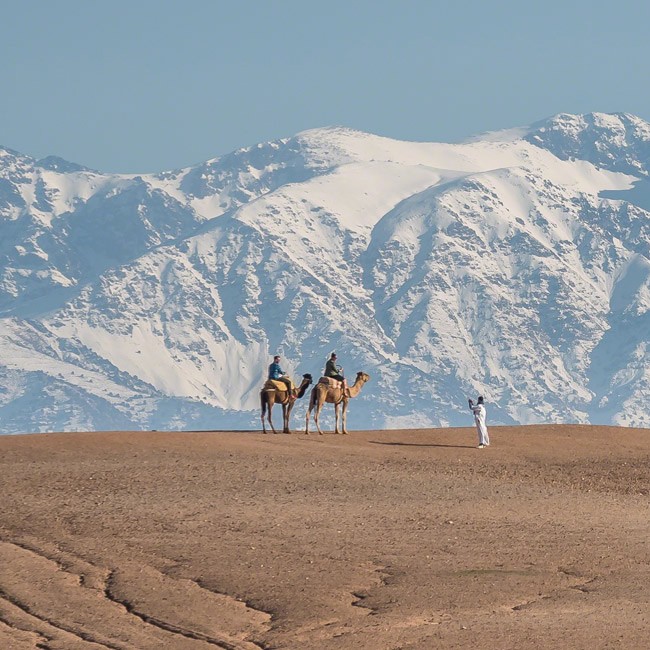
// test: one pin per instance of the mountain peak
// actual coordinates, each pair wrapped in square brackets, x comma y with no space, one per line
[7,151]
[442,270]
[57,164]
[614,141]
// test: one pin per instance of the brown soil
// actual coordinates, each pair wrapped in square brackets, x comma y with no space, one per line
[376,540]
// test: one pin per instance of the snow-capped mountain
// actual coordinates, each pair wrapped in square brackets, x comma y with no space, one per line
[515,265]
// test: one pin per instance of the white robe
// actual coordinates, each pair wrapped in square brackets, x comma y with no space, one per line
[481,428]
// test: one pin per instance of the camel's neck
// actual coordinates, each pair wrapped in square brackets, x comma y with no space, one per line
[355,389]
[303,387]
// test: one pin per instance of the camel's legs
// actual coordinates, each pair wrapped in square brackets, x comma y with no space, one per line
[271,421]
[264,405]
[315,405]
[286,415]
[309,410]
[271,401]
[345,416]
[336,417]
[319,406]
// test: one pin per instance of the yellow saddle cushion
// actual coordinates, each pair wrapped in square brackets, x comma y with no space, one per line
[274,384]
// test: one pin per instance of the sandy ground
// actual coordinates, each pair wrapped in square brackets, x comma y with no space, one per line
[375,540]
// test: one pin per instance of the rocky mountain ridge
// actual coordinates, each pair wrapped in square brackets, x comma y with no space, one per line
[516,265]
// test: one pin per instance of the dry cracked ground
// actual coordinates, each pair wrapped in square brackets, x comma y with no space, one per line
[376,540]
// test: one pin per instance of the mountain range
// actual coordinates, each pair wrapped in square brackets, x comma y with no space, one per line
[515,265]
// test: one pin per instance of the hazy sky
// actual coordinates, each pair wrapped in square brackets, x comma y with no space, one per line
[149,85]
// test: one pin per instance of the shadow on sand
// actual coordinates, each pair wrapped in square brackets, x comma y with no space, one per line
[420,444]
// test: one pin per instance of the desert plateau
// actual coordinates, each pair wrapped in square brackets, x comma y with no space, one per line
[376,540]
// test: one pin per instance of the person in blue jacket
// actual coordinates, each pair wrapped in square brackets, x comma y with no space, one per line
[276,372]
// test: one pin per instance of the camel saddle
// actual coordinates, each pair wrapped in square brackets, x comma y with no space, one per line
[330,382]
[274,384]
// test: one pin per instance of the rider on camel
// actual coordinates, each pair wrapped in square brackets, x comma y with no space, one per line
[334,371]
[276,373]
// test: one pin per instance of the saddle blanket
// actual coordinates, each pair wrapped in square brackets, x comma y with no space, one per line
[274,384]
[330,381]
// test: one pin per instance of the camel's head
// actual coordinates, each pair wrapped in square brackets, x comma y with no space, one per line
[362,377]
[304,384]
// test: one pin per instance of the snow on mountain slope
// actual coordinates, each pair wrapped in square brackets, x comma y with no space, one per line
[516,265]
[618,142]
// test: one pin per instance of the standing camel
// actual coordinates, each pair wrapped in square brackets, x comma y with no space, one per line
[322,393]
[275,392]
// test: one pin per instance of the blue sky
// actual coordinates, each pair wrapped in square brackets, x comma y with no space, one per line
[143,86]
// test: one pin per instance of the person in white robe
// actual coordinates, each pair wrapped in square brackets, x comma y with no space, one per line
[479,412]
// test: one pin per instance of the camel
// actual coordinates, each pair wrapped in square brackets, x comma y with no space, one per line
[322,393]
[271,394]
